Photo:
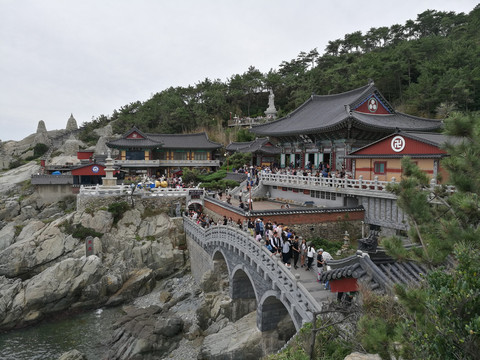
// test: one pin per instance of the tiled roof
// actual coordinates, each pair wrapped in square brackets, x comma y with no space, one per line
[328,113]
[134,143]
[257,145]
[239,177]
[379,274]
[397,120]
[435,139]
[168,141]
[185,141]
[431,138]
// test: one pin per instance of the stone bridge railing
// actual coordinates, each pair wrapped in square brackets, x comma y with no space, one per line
[98,190]
[268,275]
[374,188]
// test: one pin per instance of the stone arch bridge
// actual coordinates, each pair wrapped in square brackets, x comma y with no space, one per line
[252,272]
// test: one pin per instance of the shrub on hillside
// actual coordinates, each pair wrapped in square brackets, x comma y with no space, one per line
[118,209]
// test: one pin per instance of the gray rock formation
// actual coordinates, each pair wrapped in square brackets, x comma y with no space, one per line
[105,135]
[145,334]
[41,136]
[41,128]
[43,268]
[71,146]
[71,124]
[239,340]
[15,177]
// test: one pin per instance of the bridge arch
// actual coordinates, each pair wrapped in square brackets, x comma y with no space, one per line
[272,309]
[258,281]
[219,261]
[242,284]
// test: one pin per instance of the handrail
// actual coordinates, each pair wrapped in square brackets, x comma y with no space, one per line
[345,184]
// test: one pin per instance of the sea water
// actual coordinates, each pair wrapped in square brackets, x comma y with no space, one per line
[88,332]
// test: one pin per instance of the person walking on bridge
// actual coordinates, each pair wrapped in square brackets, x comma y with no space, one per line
[310,255]
[296,251]
[286,251]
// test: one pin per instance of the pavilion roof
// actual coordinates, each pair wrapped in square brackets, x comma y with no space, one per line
[134,138]
[378,272]
[257,145]
[329,113]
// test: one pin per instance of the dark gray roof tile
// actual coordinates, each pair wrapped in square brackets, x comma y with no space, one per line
[257,145]
[185,141]
[326,113]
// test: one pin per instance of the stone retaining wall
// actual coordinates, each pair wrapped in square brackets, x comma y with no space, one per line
[163,203]
[200,260]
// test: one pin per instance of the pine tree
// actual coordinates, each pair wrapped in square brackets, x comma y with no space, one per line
[442,318]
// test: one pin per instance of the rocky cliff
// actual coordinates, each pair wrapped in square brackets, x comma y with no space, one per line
[43,264]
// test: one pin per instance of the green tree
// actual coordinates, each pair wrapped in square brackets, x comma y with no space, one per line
[442,318]
[39,150]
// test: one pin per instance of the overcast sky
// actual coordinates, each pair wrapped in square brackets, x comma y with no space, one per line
[90,57]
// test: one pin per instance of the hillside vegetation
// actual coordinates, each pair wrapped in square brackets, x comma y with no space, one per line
[426,67]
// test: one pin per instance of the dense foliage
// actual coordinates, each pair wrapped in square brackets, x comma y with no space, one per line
[427,67]
[39,150]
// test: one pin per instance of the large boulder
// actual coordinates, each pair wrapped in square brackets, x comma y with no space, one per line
[12,178]
[43,268]
[7,235]
[34,253]
[239,340]
[10,210]
[145,334]
[69,284]
[101,221]
[139,283]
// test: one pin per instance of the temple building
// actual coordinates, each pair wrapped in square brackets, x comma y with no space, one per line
[164,154]
[383,158]
[326,128]
[264,153]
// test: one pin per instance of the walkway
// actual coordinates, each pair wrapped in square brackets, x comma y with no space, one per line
[309,280]
[261,205]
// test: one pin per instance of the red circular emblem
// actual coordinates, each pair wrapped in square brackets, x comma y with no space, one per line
[372,105]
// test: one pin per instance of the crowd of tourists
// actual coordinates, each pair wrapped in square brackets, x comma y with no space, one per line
[321,170]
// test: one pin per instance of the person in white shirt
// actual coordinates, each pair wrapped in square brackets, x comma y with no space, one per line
[310,255]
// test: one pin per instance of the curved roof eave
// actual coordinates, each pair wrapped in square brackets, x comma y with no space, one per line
[362,90]
[333,127]
[433,124]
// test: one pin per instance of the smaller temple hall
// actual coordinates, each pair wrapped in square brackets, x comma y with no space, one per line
[164,154]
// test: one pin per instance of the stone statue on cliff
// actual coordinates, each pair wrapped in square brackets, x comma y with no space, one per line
[271,112]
